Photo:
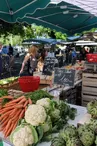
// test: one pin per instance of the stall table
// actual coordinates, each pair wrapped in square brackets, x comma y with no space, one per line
[81,111]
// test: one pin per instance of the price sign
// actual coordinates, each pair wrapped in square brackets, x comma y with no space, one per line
[48,66]
[64,77]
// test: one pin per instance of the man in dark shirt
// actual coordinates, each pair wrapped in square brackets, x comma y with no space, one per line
[10,50]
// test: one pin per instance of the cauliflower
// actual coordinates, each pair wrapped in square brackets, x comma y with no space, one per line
[35,115]
[24,135]
[45,102]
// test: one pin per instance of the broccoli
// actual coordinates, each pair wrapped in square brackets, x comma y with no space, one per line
[86,135]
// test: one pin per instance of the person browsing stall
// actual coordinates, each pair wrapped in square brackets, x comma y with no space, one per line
[31,61]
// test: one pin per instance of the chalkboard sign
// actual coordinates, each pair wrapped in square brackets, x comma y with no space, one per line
[48,66]
[64,77]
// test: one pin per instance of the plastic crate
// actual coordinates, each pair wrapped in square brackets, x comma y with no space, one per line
[29,83]
[92,58]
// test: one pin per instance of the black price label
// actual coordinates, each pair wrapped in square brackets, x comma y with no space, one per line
[64,77]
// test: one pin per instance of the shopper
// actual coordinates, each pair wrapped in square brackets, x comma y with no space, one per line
[5,50]
[74,56]
[31,61]
[10,50]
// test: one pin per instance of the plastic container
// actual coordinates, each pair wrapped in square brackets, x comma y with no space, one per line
[92,58]
[29,83]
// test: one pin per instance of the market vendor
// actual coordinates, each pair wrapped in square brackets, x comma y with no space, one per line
[31,61]
[40,63]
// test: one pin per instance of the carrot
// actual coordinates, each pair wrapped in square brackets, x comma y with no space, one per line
[5,123]
[22,114]
[23,100]
[13,112]
[9,130]
[8,97]
[9,105]
[19,106]
[30,101]
[8,124]
[15,100]
[17,114]
[26,103]
[6,114]
[15,124]
[4,119]
[4,110]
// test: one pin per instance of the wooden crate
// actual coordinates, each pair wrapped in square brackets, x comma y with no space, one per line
[44,80]
[91,66]
[14,85]
[89,87]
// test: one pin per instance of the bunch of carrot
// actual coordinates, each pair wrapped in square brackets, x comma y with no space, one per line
[12,112]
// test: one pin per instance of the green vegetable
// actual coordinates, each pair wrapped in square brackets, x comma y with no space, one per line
[3,92]
[86,135]
[47,138]
[92,108]
[39,130]
[39,94]
[57,141]
[68,132]
[47,126]
[34,133]
[8,80]
[66,111]
[73,142]
[96,141]
[55,114]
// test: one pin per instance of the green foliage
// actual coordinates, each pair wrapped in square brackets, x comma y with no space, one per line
[15,33]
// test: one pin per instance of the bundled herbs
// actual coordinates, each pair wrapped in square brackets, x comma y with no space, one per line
[39,94]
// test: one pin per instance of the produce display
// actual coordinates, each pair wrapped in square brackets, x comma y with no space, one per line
[78,66]
[12,112]
[92,108]
[3,92]
[38,94]
[8,80]
[83,135]
[40,121]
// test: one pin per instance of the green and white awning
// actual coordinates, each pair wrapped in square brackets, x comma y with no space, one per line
[63,16]
[10,10]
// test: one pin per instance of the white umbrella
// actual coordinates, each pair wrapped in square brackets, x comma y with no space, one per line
[87,5]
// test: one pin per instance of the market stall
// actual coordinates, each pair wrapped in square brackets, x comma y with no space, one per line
[73,118]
